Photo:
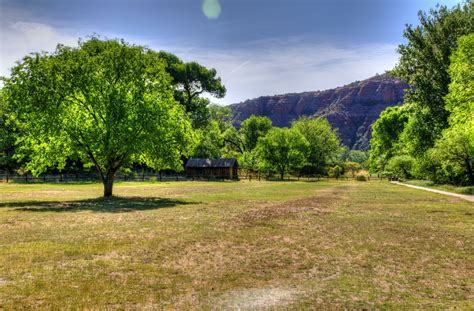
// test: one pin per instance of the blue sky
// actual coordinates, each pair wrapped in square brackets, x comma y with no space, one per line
[259,47]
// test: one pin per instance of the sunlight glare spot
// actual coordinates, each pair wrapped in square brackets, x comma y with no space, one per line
[211,8]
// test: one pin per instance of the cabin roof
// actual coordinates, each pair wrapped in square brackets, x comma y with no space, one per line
[202,163]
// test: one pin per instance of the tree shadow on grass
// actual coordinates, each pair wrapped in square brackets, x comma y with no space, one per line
[108,205]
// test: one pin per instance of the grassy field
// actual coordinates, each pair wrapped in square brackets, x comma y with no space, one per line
[248,245]
[450,188]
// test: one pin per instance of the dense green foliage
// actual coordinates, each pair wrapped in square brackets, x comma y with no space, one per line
[190,81]
[259,147]
[107,103]
[336,171]
[358,156]
[252,129]
[385,133]
[283,150]
[7,138]
[454,155]
[460,99]
[431,136]
[353,167]
[454,151]
[424,63]
[210,141]
[400,165]
[324,144]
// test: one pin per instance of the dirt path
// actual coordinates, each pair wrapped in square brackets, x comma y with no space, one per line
[467,197]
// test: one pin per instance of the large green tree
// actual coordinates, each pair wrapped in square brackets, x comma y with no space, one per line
[454,151]
[218,138]
[424,63]
[107,103]
[252,129]
[210,141]
[282,150]
[385,135]
[460,99]
[358,156]
[191,80]
[400,166]
[324,144]
[8,135]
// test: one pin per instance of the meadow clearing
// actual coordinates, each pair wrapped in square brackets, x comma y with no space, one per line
[248,245]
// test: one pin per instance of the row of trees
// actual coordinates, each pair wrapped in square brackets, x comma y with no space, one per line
[308,147]
[432,134]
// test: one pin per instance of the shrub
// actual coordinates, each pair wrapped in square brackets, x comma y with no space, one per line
[336,171]
[401,166]
[361,178]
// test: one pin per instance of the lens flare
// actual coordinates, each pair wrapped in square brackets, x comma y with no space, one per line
[211,8]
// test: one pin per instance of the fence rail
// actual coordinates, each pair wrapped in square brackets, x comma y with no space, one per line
[151,176]
[88,177]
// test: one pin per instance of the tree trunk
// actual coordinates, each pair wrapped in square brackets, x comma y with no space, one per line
[282,173]
[470,173]
[108,184]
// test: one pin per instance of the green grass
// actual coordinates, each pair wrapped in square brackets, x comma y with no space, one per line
[202,245]
[449,188]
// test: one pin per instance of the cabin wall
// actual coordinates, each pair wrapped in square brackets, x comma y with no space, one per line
[212,172]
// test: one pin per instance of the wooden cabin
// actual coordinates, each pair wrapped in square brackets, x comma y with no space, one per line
[212,168]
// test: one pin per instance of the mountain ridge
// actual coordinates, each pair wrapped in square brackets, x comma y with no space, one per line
[351,108]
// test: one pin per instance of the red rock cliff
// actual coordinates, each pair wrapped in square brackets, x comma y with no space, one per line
[351,109]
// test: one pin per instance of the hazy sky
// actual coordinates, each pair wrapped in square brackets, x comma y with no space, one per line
[259,47]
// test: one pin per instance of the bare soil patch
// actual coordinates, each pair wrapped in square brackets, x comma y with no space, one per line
[259,298]
[323,202]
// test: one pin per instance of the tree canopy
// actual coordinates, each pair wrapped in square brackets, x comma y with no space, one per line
[106,102]
[424,63]
[385,134]
[190,81]
[454,151]
[460,99]
[283,149]
[324,144]
[7,137]
[252,129]
[432,131]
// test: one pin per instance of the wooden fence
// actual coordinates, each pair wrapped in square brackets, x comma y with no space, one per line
[153,176]
[89,177]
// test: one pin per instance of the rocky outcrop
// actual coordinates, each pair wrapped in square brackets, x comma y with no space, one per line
[351,108]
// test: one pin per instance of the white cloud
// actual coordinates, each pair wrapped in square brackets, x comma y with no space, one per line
[19,38]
